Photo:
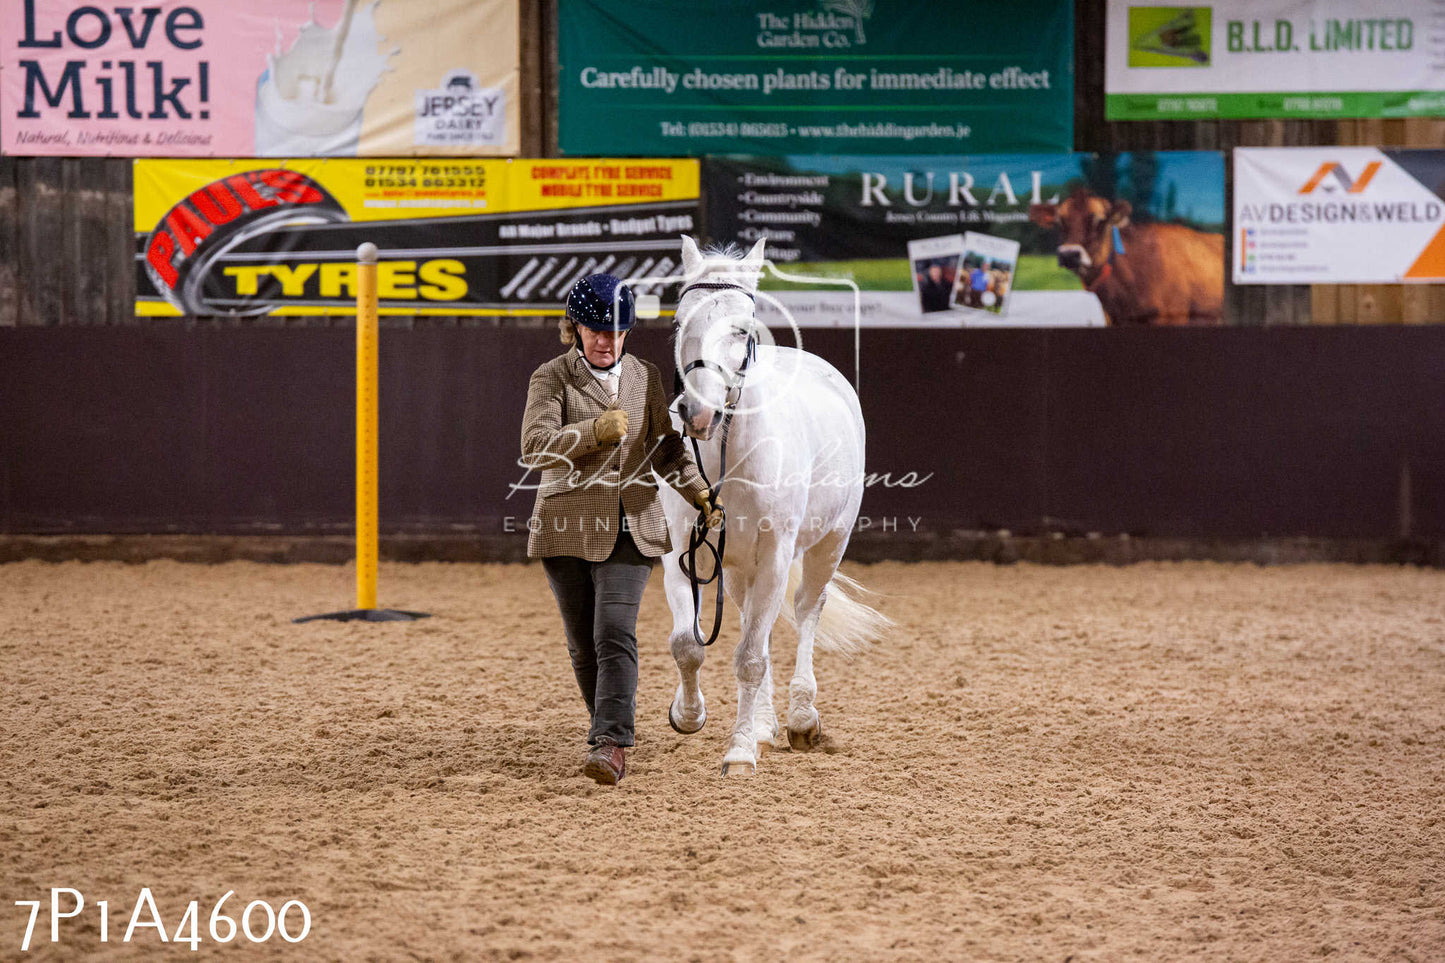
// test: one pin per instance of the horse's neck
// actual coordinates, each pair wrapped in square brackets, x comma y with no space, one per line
[749,451]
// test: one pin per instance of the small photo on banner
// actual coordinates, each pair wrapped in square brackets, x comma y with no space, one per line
[264,78]
[1021,240]
[935,270]
[986,272]
[457,237]
[1339,215]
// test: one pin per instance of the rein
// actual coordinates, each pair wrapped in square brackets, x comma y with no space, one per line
[698,537]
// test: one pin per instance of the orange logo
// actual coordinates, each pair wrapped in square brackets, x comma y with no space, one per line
[1337,169]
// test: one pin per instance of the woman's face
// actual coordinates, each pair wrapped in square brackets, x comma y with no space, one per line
[602,348]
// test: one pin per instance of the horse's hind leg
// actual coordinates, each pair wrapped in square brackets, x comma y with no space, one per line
[805,727]
[688,713]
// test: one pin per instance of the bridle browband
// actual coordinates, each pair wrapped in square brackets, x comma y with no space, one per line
[698,537]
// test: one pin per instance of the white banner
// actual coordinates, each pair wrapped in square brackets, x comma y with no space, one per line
[1275,58]
[1338,215]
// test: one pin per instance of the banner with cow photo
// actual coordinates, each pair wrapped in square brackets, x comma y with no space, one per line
[1028,240]
[1338,215]
[475,237]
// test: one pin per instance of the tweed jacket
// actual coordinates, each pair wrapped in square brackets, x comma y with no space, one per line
[577,510]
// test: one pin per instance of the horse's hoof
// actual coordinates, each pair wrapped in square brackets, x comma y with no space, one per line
[801,740]
[738,760]
[672,721]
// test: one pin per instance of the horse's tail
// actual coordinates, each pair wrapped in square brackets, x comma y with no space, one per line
[847,625]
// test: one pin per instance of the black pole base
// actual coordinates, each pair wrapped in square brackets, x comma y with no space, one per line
[368,615]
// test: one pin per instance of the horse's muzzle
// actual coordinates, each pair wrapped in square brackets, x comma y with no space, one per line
[699,424]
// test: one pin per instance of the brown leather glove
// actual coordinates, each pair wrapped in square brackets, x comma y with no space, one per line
[610,426]
[713,511]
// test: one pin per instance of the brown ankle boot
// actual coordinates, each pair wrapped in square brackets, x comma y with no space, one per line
[605,763]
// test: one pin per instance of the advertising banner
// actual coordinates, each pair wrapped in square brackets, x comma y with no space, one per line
[1338,215]
[478,237]
[1030,240]
[264,78]
[814,76]
[1274,58]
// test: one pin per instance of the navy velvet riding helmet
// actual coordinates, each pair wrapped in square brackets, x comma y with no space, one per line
[592,300]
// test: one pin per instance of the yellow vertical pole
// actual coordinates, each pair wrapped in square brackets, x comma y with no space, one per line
[367,411]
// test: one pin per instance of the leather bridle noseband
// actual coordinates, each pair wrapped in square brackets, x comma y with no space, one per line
[698,538]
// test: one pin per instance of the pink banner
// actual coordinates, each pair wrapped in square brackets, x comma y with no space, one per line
[259,78]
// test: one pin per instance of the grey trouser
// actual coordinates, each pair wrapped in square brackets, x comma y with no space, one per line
[598,602]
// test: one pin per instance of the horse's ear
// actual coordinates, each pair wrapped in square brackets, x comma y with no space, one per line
[691,257]
[753,265]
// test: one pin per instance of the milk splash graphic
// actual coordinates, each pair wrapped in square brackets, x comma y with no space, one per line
[310,99]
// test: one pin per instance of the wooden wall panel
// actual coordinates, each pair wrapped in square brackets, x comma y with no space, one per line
[534,69]
[1228,433]
[9,245]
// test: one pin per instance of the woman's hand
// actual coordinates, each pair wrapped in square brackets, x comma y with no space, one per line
[713,512]
[610,426]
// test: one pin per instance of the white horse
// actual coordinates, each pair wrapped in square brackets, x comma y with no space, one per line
[792,488]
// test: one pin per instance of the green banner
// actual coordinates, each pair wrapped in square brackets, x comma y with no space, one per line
[1303,59]
[673,77]
[1305,105]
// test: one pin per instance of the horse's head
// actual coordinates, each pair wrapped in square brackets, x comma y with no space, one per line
[714,333]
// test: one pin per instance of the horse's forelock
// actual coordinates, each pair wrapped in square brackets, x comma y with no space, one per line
[730,249]
[733,256]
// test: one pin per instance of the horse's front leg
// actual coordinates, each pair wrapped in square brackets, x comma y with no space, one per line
[688,713]
[760,603]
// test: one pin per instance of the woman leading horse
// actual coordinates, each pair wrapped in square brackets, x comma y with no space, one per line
[597,427]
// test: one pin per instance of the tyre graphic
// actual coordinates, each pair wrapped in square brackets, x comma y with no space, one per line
[212,221]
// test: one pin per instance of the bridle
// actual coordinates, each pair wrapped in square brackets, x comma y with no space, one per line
[698,538]
[733,379]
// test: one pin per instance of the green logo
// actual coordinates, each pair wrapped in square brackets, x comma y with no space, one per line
[1169,36]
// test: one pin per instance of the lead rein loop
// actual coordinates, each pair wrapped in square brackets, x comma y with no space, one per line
[698,536]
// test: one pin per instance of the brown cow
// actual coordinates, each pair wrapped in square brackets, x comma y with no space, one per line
[1165,273]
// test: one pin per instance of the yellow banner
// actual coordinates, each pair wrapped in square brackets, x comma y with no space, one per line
[490,237]
[392,189]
